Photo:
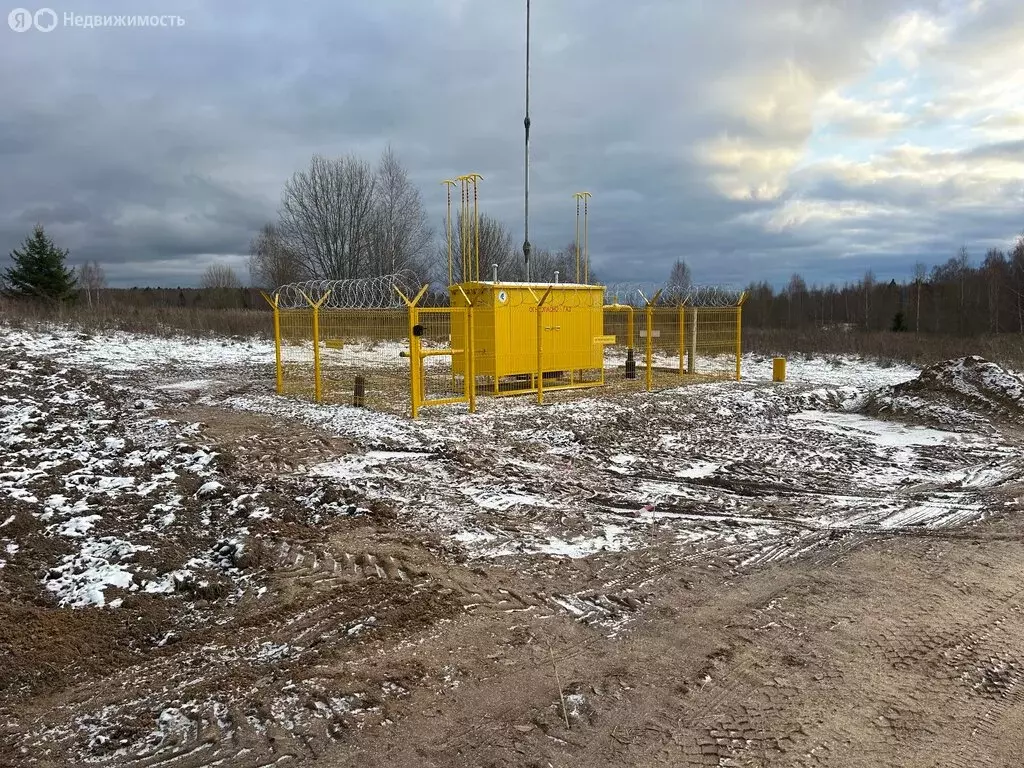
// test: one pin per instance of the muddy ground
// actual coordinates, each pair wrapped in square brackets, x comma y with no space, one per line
[732,575]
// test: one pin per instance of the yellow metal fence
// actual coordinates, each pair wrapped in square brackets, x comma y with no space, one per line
[351,356]
[666,346]
[517,340]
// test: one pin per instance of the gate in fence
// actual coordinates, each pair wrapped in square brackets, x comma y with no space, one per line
[440,359]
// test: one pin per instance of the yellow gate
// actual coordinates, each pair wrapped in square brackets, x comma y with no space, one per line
[439,372]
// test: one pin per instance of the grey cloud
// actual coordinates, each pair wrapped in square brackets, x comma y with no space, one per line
[1004,150]
[69,212]
[194,130]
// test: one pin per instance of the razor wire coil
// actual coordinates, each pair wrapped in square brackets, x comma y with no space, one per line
[638,294]
[380,292]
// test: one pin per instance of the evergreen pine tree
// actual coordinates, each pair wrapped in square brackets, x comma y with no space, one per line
[39,270]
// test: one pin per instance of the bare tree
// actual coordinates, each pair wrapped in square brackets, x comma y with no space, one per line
[399,234]
[220,277]
[545,263]
[91,280]
[496,247]
[995,270]
[962,268]
[796,294]
[271,262]
[920,271]
[565,263]
[1017,281]
[680,278]
[868,286]
[327,214]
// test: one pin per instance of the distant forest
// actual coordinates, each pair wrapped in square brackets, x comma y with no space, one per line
[955,298]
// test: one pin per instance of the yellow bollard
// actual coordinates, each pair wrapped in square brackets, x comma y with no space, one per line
[779,369]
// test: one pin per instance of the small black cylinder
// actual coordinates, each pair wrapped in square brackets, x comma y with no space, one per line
[630,364]
[359,392]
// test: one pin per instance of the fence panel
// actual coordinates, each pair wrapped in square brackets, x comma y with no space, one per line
[443,378]
[657,346]
[625,333]
[361,361]
[665,344]
[297,374]
[712,342]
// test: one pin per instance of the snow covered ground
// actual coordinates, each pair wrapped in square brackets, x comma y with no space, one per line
[688,456]
[109,500]
[86,463]
[119,352]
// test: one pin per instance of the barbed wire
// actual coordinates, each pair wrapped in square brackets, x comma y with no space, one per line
[358,293]
[635,295]
[379,293]
[638,294]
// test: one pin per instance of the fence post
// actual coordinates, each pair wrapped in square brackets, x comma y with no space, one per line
[739,315]
[649,311]
[691,363]
[277,341]
[470,357]
[315,306]
[469,353]
[415,360]
[649,353]
[319,387]
[739,334]
[415,363]
[277,347]
[682,336]
[317,382]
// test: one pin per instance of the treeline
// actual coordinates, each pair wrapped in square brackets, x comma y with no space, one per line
[185,298]
[954,298]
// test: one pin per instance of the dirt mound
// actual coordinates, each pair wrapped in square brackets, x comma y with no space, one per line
[967,392]
[978,381]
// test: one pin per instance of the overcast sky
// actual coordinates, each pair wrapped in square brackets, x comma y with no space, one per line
[752,139]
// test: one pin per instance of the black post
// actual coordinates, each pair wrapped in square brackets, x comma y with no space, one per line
[630,364]
[359,392]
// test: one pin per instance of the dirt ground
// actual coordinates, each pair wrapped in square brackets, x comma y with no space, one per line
[355,628]
[905,652]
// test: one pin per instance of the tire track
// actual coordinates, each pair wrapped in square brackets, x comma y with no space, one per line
[319,568]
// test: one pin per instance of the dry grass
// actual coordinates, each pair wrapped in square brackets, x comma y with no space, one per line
[157,321]
[1006,349]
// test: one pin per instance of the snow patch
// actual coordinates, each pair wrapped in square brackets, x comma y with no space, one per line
[81,578]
